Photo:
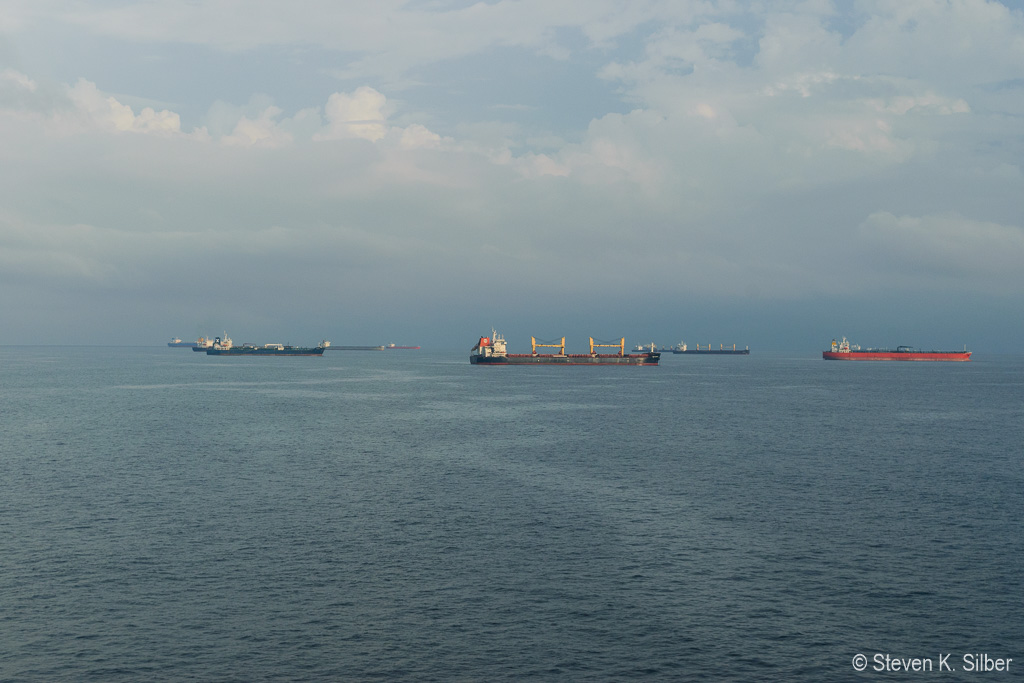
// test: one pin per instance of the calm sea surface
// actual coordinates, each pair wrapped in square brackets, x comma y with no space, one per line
[403,515]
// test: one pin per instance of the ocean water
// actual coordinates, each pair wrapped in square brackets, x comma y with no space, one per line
[403,515]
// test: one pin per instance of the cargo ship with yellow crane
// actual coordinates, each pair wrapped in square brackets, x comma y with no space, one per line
[493,351]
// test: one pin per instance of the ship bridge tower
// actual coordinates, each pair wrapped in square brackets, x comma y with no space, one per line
[493,346]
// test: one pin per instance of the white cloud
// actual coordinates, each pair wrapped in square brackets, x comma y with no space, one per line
[357,115]
[361,114]
[9,78]
[803,83]
[791,42]
[419,136]
[18,93]
[615,149]
[263,131]
[108,112]
[928,103]
[534,165]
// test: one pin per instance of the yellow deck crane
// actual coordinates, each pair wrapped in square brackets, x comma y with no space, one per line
[560,347]
[621,346]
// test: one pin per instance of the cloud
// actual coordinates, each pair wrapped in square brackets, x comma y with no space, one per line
[11,80]
[361,114]
[108,112]
[19,94]
[419,136]
[534,165]
[804,83]
[929,103]
[956,43]
[730,151]
[264,131]
[356,115]
[948,246]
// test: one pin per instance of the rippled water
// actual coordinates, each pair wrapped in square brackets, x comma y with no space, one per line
[404,515]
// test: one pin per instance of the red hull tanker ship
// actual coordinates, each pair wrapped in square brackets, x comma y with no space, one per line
[844,351]
[492,351]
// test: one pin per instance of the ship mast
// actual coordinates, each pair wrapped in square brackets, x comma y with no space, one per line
[621,346]
[560,346]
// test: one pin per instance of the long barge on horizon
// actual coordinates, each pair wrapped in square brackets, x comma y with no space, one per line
[845,351]
[722,350]
[493,351]
[377,347]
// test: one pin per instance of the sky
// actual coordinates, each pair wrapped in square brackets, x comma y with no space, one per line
[769,174]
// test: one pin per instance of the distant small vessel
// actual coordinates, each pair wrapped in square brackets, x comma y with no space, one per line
[176,342]
[493,351]
[722,350]
[225,347]
[394,346]
[202,344]
[845,351]
[644,348]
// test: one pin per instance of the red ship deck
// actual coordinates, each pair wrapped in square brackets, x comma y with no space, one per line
[898,355]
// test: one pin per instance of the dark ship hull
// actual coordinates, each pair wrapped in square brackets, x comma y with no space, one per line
[492,351]
[263,351]
[714,352]
[572,359]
